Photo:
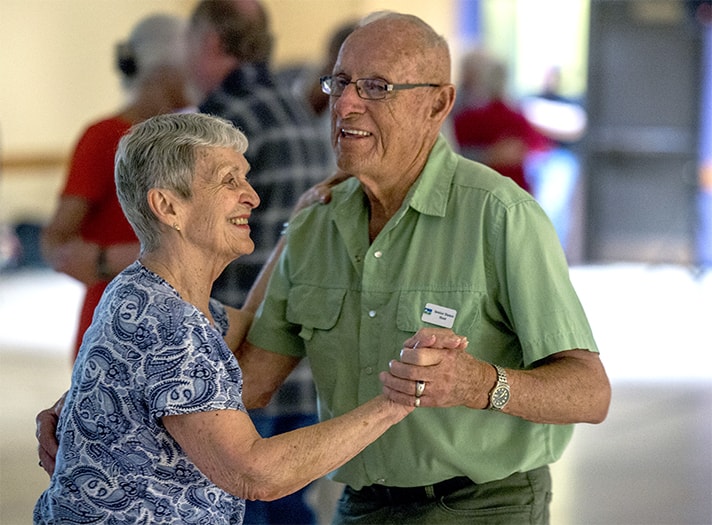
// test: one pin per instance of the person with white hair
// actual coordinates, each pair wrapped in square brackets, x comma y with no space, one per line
[88,237]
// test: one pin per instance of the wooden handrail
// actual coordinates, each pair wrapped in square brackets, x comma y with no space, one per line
[32,161]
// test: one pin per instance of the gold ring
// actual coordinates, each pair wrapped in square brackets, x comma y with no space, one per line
[419,388]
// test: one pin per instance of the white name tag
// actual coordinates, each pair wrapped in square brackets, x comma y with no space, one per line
[439,315]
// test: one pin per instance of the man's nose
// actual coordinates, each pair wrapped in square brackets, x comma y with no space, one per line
[348,101]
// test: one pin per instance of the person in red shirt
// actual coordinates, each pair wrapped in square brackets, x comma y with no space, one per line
[88,237]
[487,127]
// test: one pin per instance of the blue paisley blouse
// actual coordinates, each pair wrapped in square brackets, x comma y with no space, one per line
[147,354]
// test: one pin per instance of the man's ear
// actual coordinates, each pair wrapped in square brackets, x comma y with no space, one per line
[443,102]
[164,205]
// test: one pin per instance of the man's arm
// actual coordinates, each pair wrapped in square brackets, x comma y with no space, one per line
[263,372]
[567,387]
[46,429]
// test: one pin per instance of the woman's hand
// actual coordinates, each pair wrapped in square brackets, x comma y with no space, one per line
[319,193]
[434,370]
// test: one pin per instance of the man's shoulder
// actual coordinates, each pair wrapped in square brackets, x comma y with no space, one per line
[319,212]
[477,177]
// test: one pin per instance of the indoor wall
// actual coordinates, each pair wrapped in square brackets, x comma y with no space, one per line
[57,75]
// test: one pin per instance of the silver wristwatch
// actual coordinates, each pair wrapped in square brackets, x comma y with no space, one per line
[499,396]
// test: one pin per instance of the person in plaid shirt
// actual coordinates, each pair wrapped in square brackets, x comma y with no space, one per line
[229,48]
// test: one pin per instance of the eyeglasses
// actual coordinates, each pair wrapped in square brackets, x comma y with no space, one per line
[367,88]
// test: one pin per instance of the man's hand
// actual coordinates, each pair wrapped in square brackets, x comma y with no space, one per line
[46,434]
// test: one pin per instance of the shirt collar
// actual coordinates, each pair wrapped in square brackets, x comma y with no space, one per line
[429,194]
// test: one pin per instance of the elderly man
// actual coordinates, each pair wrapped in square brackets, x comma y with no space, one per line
[422,237]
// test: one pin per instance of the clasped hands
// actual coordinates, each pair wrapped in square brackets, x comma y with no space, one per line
[435,371]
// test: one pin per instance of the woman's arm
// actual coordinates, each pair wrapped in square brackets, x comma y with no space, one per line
[240,320]
[263,372]
[226,447]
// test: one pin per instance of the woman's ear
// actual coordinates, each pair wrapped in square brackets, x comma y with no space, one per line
[164,205]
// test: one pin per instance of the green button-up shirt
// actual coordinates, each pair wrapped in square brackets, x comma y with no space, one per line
[466,239]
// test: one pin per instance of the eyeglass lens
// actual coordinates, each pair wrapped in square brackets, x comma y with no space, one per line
[368,88]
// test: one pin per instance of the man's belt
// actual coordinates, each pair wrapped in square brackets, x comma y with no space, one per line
[403,495]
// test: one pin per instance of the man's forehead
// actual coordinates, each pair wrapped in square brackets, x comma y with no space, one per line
[374,53]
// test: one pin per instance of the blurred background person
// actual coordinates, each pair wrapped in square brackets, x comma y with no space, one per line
[88,237]
[306,80]
[488,128]
[229,52]
[317,100]
[553,173]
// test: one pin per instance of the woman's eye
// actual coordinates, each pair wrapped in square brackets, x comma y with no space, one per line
[236,182]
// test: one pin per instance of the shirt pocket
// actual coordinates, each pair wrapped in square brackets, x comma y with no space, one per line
[467,305]
[314,308]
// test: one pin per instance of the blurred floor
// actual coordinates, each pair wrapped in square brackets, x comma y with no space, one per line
[649,463]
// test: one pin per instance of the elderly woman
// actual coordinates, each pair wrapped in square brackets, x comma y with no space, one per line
[153,428]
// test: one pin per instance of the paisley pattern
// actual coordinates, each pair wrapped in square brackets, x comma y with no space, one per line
[147,354]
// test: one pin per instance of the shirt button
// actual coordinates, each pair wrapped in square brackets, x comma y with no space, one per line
[378,254]
[369,370]
[372,313]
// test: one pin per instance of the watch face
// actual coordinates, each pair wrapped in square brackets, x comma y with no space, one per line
[500,396]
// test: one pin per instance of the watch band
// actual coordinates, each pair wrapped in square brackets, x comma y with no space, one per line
[501,375]
[499,395]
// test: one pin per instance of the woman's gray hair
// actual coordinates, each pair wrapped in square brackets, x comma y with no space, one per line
[161,152]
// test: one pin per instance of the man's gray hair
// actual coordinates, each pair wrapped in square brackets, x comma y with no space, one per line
[161,152]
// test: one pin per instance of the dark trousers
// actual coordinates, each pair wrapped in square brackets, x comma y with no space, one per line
[522,498]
